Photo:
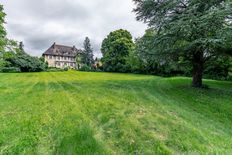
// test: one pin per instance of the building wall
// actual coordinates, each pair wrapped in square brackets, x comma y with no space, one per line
[50,60]
[60,61]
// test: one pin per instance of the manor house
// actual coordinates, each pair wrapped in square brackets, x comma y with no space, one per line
[61,56]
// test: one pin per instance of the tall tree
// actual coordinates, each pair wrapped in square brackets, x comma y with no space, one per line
[144,50]
[87,56]
[115,49]
[195,29]
[2,35]
[2,29]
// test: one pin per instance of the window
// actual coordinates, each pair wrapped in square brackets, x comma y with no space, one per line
[50,57]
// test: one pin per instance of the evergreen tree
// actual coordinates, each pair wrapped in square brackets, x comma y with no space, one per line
[195,29]
[87,56]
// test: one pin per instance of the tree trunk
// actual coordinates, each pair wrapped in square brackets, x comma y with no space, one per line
[198,68]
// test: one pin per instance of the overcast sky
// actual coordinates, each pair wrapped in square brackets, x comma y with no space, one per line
[39,23]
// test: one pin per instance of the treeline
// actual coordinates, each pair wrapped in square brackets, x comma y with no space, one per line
[123,54]
[15,59]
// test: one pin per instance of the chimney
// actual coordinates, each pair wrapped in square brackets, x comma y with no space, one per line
[74,47]
[54,44]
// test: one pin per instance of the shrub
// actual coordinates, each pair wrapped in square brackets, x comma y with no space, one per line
[65,68]
[26,63]
[85,68]
[10,70]
[53,69]
[98,70]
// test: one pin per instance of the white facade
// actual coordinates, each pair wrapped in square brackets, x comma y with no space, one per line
[60,61]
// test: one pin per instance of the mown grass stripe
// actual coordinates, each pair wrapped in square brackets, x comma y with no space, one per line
[105,113]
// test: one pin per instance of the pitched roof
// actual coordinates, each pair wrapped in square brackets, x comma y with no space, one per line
[61,50]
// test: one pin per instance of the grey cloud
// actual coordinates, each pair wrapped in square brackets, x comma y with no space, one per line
[40,23]
[55,10]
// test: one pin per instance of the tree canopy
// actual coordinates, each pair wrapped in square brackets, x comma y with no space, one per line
[2,30]
[195,29]
[115,49]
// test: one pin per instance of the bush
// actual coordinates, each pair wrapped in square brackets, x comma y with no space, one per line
[53,69]
[10,70]
[85,68]
[98,70]
[65,68]
[26,63]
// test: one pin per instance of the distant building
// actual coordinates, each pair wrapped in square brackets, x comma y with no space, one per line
[61,56]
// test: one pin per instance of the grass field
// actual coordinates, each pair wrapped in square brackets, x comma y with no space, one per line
[103,113]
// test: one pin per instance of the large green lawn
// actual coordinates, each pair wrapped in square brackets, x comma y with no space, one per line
[103,113]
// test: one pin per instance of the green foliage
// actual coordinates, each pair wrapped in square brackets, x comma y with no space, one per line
[230,68]
[147,61]
[85,68]
[144,59]
[109,113]
[66,68]
[87,55]
[16,57]
[5,56]
[144,52]
[42,59]
[26,63]
[116,49]
[218,68]
[2,36]
[196,30]
[134,63]
[3,39]
[78,60]
[10,70]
